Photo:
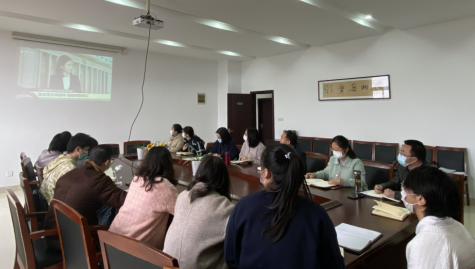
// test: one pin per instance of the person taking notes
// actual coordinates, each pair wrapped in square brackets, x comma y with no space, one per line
[341,165]
[252,148]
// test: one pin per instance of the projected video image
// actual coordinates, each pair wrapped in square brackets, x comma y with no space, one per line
[52,74]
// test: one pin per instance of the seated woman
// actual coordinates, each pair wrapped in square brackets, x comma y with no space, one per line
[56,147]
[341,165]
[192,142]
[278,228]
[176,141]
[150,201]
[440,242]
[196,235]
[225,144]
[252,148]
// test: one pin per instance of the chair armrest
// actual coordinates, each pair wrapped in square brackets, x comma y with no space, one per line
[38,234]
[99,255]
[98,228]
[36,214]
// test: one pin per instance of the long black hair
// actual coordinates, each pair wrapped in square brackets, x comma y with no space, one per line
[288,174]
[60,142]
[225,136]
[189,131]
[63,59]
[343,143]
[157,163]
[252,137]
[214,174]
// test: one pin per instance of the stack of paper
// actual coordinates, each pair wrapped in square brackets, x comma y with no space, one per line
[354,238]
[390,211]
[241,162]
[319,183]
[184,153]
[378,195]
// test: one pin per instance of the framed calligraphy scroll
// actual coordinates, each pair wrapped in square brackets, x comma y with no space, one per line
[364,88]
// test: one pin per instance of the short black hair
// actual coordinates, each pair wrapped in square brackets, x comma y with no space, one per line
[252,137]
[60,142]
[79,140]
[418,149]
[100,154]
[292,137]
[438,189]
[189,131]
[225,136]
[177,127]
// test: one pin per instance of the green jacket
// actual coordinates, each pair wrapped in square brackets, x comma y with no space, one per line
[345,170]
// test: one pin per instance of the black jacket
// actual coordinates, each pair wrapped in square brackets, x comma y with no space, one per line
[56,83]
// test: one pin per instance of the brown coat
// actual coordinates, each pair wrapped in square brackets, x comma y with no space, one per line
[86,190]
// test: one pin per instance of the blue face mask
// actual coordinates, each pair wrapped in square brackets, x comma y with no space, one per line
[220,141]
[402,160]
[84,156]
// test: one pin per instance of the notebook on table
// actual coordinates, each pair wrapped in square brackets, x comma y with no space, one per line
[389,211]
[184,153]
[354,238]
[372,193]
[319,183]
[241,162]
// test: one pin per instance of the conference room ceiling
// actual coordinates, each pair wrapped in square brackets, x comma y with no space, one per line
[226,29]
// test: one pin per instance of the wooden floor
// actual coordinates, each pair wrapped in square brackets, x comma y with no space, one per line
[7,247]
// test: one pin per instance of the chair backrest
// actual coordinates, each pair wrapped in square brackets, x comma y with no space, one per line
[316,162]
[33,202]
[322,146]
[28,169]
[121,252]
[22,155]
[364,150]
[385,152]
[430,154]
[209,147]
[377,173]
[39,174]
[305,143]
[452,158]
[115,149]
[239,147]
[24,246]
[129,146]
[75,237]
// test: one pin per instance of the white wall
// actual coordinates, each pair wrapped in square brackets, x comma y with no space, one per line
[170,97]
[432,90]
[229,81]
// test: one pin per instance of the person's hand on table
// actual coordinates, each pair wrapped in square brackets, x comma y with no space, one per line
[244,158]
[310,175]
[378,189]
[335,181]
[389,193]
[185,147]
[216,155]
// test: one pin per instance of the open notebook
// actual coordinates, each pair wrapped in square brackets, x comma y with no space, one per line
[380,195]
[319,183]
[241,162]
[390,211]
[354,238]
[184,153]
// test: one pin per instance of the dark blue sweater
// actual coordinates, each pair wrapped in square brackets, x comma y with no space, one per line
[308,242]
[230,147]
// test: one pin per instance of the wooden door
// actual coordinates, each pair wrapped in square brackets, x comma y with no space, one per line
[239,115]
[266,120]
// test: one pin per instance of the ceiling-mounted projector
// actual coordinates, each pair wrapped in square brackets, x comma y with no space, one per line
[147,21]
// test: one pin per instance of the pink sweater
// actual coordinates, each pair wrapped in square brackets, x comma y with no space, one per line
[144,215]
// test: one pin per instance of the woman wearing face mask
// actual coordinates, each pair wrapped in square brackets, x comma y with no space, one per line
[193,143]
[341,165]
[63,79]
[252,148]
[272,228]
[224,144]
[176,141]
[440,242]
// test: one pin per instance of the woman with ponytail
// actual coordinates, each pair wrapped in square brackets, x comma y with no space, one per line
[277,228]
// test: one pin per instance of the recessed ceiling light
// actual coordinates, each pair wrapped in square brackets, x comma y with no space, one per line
[170,43]
[368,16]
[230,53]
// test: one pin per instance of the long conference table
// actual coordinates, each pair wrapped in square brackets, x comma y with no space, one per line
[387,252]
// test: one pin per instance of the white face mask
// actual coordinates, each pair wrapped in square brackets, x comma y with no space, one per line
[184,135]
[171,132]
[409,206]
[244,137]
[338,154]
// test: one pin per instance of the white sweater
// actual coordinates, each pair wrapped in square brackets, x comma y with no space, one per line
[441,243]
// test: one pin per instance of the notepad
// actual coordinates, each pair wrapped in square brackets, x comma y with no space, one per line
[241,162]
[354,238]
[319,183]
[390,211]
[342,252]
[372,193]
[184,153]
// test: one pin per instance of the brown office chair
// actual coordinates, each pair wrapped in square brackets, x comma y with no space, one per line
[377,173]
[209,147]
[456,159]
[28,169]
[322,146]
[22,156]
[122,252]
[305,143]
[364,150]
[39,174]
[130,145]
[430,154]
[386,152]
[33,202]
[75,236]
[316,162]
[31,249]
[115,149]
